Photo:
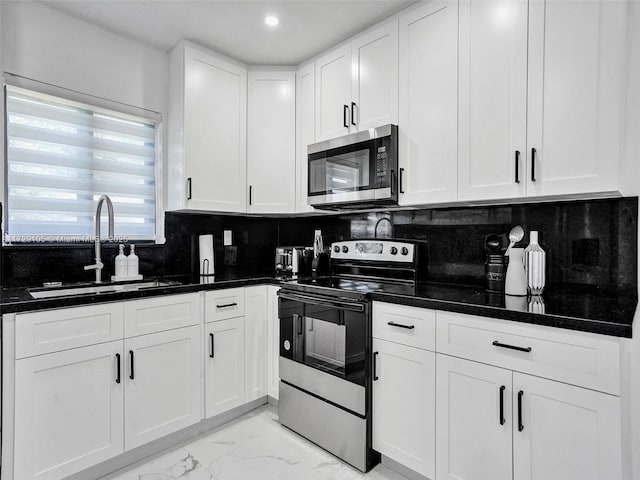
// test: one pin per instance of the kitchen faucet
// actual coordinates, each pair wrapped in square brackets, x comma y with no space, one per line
[99,265]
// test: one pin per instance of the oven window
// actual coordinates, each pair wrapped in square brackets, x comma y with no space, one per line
[335,342]
[324,345]
[347,171]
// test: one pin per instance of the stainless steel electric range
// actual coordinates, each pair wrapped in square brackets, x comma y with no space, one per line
[326,365]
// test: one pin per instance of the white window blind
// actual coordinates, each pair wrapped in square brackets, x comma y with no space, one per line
[63,155]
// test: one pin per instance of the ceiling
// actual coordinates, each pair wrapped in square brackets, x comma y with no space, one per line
[236,27]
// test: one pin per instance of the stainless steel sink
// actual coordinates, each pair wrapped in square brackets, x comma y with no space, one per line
[69,290]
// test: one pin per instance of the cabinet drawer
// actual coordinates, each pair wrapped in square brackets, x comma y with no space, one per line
[406,325]
[161,313]
[577,358]
[55,330]
[223,304]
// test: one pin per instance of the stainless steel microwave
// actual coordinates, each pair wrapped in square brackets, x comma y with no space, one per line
[355,171]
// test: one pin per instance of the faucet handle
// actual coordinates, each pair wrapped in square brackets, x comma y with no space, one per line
[95,266]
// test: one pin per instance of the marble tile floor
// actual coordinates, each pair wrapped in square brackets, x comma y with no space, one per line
[252,447]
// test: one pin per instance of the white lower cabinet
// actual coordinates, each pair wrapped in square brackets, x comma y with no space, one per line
[495,424]
[473,432]
[273,342]
[162,384]
[565,433]
[404,405]
[224,365]
[255,342]
[68,411]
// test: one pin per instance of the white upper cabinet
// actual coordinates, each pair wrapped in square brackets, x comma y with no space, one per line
[357,84]
[374,73]
[428,115]
[493,99]
[271,133]
[207,131]
[333,93]
[577,53]
[305,131]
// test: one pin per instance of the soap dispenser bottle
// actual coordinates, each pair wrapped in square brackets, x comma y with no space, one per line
[132,262]
[121,263]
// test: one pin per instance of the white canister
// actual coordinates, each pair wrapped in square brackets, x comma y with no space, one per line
[516,278]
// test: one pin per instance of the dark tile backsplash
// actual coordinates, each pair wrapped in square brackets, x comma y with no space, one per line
[589,244]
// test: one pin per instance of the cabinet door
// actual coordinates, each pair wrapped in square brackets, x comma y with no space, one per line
[428,126]
[68,412]
[576,97]
[403,405]
[255,342]
[305,131]
[493,99]
[566,433]
[333,94]
[375,78]
[224,365]
[474,440]
[215,124]
[162,384]
[271,133]
[273,345]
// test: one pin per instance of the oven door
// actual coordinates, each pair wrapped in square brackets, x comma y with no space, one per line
[328,334]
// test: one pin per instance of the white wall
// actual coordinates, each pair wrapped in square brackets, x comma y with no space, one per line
[44,44]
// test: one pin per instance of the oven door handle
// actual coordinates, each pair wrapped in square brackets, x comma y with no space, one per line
[342,304]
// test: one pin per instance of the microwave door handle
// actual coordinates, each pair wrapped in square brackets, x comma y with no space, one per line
[342,304]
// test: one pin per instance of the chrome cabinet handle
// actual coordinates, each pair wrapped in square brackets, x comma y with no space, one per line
[211,346]
[189,188]
[517,166]
[502,419]
[345,115]
[353,112]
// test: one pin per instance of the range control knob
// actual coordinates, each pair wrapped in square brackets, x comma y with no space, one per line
[336,249]
[404,251]
[345,249]
[393,250]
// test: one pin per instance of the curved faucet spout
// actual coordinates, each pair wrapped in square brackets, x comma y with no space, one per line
[101,200]
[99,265]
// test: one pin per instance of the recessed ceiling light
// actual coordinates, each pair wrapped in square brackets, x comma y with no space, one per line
[271,20]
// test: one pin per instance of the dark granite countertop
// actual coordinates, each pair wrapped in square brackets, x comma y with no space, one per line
[14,300]
[587,312]
[584,312]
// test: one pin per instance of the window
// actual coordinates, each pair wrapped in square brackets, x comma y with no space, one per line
[62,155]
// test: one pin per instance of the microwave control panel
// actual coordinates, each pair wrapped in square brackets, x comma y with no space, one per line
[382,164]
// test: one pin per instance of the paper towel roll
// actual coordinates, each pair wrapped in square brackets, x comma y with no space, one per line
[205,246]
